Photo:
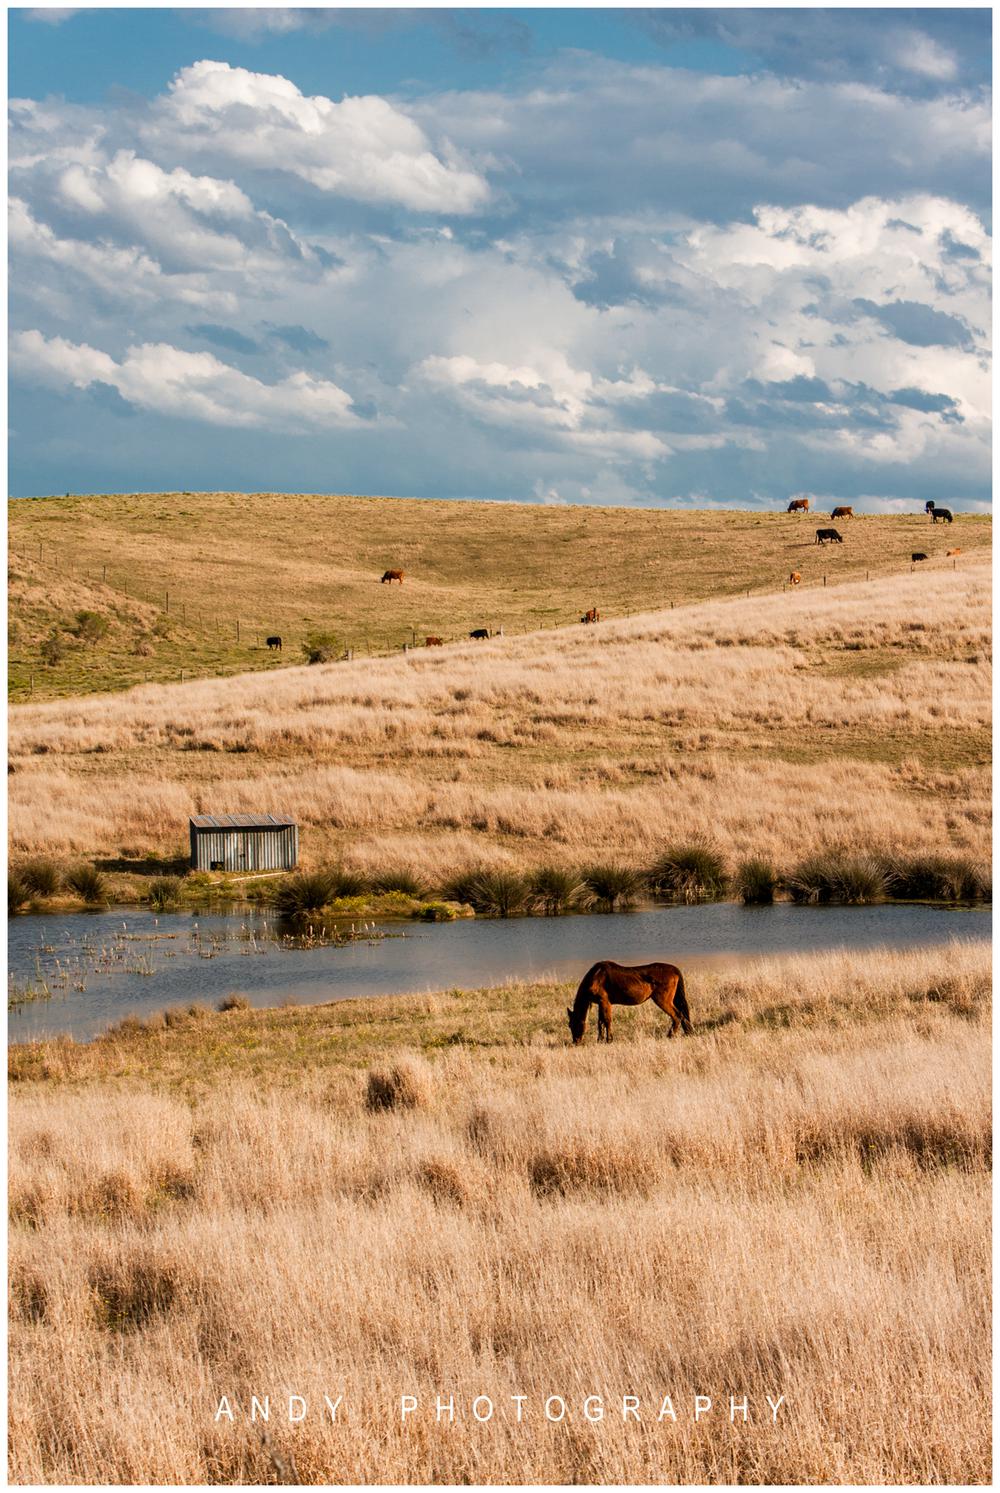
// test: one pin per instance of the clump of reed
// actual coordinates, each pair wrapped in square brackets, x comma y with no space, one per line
[755,882]
[834,877]
[346,882]
[938,878]
[88,883]
[40,876]
[164,892]
[305,892]
[610,885]
[689,873]
[18,893]
[554,890]
[491,891]
[398,879]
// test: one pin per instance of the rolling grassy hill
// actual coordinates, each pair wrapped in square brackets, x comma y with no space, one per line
[191,584]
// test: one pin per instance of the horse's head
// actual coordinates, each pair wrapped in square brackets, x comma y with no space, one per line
[577,1024]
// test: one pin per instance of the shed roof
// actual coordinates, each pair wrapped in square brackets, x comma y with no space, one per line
[240,821]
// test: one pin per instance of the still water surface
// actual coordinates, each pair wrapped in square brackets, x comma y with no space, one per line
[103,966]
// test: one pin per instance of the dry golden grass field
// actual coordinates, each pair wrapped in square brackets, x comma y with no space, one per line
[170,575]
[802,721]
[439,1196]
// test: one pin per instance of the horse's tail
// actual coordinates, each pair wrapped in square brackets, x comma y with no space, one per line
[681,1005]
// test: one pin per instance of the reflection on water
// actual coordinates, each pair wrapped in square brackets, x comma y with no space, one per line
[100,967]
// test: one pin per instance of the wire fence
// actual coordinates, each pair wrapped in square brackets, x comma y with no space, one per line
[279,641]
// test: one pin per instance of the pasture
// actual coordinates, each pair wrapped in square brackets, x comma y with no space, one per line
[793,1201]
[195,583]
[857,716]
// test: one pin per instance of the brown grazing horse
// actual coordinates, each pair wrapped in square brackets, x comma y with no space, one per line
[798,505]
[393,575]
[608,984]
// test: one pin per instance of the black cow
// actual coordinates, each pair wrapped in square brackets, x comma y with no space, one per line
[480,632]
[915,557]
[274,643]
[943,513]
[828,536]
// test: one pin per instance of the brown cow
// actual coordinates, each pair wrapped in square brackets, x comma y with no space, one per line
[433,642]
[954,552]
[393,575]
[842,513]
[794,579]
[591,615]
[798,505]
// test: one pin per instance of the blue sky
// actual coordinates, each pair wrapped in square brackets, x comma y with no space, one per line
[647,256]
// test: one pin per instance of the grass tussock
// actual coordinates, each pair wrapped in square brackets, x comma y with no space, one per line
[755,882]
[837,878]
[406,1084]
[41,876]
[690,873]
[89,884]
[825,1136]
[608,886]
[164,892]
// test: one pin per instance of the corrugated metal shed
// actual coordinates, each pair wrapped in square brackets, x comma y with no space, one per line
[243,842]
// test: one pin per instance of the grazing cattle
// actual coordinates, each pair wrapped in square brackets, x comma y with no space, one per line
[608,984]
[274,643]
[591,615]
[433,642]
[393,575]
[929,506]
[944,514]
[479,632]
[842,513]
[954,552]
[917,556]
[828,536]
[798,505]
[794,579]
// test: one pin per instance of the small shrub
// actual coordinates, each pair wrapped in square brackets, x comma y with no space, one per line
[399,879]
[689,873]
[142,648]
[755,882]
[437,912]
[609,886]
[554,890]
[40,876]
[406,1085]
[321,647]
[164,892]
[88,883]
[305,892]
[234,1003]
[90,627]
[161,627]
[52,649]
[18,893]
[444,1181]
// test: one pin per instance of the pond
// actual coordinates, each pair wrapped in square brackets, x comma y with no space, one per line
[102,966]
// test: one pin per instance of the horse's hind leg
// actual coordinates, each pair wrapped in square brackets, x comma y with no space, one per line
[604,1023]
[666,1005]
